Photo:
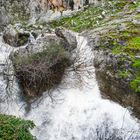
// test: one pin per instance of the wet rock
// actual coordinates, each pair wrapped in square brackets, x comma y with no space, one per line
[13,10]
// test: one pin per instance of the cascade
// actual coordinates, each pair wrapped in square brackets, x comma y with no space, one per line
[76,111]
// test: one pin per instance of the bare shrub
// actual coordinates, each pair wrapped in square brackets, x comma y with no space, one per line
[41,71]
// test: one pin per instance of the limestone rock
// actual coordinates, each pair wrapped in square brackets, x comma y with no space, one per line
[68,36]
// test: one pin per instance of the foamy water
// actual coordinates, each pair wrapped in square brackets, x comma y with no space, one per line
[76,110]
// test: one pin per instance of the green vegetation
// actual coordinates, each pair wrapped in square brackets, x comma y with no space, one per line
[22,38]
[49,54]
[134,6]
[132,47]
[123,74]
[135,84]
[136,64]
[125,43]
[88,18]
[12,128]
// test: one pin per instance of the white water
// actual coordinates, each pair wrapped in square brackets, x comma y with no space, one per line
[77,111]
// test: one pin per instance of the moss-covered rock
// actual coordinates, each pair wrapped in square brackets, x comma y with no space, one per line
[91,17]
[116,46]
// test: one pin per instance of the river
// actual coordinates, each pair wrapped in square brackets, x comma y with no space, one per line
[76,110]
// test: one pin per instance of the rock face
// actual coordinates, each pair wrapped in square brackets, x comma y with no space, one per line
[40,66]
[116,49]
[32,10]
[19,11]
[111,85]
[68,36]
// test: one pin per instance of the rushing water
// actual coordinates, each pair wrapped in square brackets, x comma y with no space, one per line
[76,110]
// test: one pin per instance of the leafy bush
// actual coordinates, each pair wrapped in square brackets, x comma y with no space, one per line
[12,128]
[135,84]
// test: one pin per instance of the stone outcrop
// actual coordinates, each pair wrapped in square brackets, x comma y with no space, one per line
[111,85]
[68,36]
[116,49]
[40,66]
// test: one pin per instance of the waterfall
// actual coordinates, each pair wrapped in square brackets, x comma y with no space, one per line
[76,110]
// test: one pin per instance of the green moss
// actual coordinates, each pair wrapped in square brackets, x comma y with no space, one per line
[134,42]
[88,18]
[123,74]
[132,47]
[125,44]
[117,50]
[12,128]
[130,41]
[48,53]
[135,84]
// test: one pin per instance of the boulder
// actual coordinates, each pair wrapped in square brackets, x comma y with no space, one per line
[68,36]
[40,66]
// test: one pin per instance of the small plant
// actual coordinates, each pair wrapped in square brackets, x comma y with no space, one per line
[135,84]
[137,64]
[123,74]
[12,128]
